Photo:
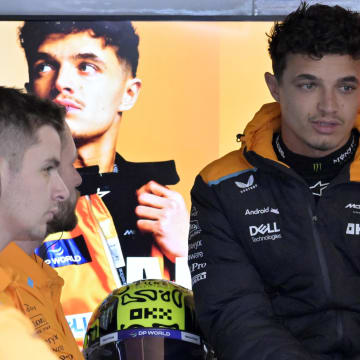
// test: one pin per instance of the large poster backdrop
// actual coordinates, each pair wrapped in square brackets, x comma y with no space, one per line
[201,84]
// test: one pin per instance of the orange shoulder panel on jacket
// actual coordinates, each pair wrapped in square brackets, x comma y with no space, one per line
[227,165]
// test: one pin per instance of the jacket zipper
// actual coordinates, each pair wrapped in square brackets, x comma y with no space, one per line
[325,271]
[320,251]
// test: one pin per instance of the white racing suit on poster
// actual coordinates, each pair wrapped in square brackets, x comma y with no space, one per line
[275,274]
[106,250]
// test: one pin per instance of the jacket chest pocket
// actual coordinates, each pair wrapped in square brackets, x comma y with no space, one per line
[279,250]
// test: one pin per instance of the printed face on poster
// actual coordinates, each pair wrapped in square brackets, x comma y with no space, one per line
[201,83]
[182,94]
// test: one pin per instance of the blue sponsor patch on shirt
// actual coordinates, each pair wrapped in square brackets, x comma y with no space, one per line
[64,252]
[30,282]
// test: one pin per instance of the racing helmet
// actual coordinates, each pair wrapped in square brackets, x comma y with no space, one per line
[146,320]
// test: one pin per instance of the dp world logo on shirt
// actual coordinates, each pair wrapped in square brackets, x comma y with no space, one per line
[64,252]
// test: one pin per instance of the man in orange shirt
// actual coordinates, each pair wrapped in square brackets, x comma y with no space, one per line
[31,191]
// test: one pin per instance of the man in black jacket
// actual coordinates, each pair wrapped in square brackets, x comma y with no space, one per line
[275,227]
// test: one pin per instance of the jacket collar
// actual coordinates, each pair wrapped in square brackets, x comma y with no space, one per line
[259,133]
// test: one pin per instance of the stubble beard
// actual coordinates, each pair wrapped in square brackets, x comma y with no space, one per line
[65,219]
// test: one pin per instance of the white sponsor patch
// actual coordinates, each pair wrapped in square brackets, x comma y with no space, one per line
[264,210]
[198,277]
[269,231]
[266,237]
[64,259]
[109,338]
[197,266]
[185,336]
[353,206]
[242,185]
[194,229]
[353,229]
[196,255]
[249,185]
[195,245]
[264,229]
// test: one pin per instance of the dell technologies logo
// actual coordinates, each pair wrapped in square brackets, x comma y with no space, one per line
[269,231]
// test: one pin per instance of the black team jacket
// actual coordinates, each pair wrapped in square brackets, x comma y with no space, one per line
[276,275]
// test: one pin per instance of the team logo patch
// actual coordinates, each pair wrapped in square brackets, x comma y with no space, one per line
[249,185]
[242,185]
[318,188]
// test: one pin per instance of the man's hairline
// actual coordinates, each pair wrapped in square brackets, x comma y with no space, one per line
[280,76]
[33,140]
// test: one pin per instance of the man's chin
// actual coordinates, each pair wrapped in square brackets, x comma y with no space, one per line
[61,224]
[325,146]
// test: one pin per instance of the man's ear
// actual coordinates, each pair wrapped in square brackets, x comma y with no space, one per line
[273,85]
[131,93]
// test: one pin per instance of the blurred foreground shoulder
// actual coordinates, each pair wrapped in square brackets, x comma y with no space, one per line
[17,338]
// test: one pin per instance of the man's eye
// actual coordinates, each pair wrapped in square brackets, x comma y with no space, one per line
[88,68]
[347,88]
[43,68]
[307,86]
[48,169]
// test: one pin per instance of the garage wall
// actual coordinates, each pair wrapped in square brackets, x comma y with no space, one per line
[249,9]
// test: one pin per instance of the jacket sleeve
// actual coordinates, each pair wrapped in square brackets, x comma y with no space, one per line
[233,310]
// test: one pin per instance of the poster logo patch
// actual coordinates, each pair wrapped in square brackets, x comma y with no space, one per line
[65,252]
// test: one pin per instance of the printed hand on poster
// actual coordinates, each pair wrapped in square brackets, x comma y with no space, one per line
[163,213]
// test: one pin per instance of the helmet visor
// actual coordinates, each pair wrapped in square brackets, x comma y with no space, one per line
[148,347]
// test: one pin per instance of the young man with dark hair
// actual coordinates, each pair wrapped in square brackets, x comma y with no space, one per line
[274,255]
[31,191]
[133,226]
[90,69]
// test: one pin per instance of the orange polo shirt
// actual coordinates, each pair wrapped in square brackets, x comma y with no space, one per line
[33,287]
[18,340]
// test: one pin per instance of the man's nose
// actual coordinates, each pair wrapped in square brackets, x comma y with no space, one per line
[328,103]
[60,190]
[65,78]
